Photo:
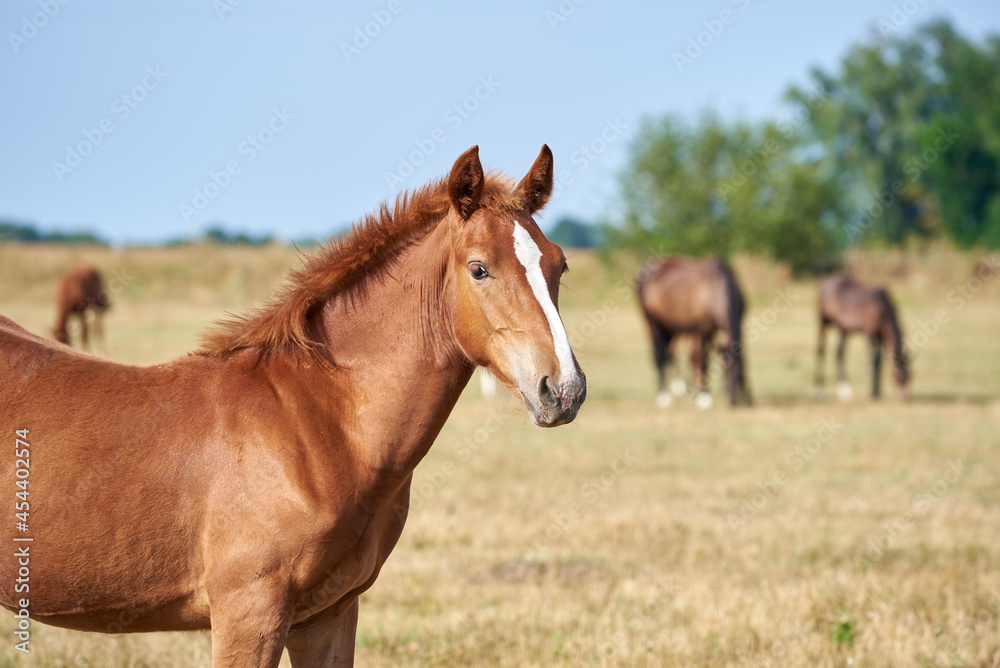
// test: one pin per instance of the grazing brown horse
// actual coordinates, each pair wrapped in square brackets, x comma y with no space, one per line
[854,307]
[684,296]
[257,486]
[80,290]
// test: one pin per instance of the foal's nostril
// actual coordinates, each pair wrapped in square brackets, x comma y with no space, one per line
[547,394]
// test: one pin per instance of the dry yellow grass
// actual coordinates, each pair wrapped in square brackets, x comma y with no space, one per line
[793,533]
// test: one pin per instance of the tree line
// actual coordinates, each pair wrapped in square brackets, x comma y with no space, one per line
[214,234]
[28,233]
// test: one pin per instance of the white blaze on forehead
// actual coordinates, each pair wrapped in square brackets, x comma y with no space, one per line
[530,256]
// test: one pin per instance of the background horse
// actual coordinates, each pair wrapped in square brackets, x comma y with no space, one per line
[854,307]
[684,296]
[81,290]
[256,488]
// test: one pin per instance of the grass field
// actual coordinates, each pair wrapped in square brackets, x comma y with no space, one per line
[793,533]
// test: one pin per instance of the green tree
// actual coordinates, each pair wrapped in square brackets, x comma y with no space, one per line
[965,175]
[911,130]
[717,189]
[669,189]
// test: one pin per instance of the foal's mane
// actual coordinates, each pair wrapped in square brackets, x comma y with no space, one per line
[345,263]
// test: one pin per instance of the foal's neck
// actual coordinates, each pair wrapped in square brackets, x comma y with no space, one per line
[392,343]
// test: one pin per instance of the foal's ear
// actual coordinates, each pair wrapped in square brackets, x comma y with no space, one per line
[465,185]
[536,187]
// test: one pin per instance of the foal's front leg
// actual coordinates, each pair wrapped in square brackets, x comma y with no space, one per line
[326,640]
[249,626]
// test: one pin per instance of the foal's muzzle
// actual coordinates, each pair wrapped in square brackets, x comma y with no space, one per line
[556,403]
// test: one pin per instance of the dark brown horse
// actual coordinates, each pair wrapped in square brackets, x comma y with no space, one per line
[854,307]
[257,486]
[81,290]
[684,296]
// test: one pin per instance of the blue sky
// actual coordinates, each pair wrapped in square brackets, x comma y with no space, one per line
[145,122]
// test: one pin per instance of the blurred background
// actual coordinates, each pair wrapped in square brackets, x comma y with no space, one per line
[760,126]
[192,150]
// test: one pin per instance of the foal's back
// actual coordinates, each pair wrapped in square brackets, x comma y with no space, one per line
[96,469]
[136,473]
[116,450]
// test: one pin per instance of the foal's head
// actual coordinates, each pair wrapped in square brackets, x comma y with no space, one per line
[505,277]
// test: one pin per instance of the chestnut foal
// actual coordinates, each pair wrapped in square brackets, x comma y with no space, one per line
[257,486]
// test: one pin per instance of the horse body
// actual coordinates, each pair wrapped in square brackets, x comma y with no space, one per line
[678,294]
[683,296]
[276,484]
[854,307]
[257,487]
[80,290]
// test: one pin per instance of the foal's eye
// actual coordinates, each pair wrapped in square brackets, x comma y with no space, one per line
[565,267]
[478,271]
